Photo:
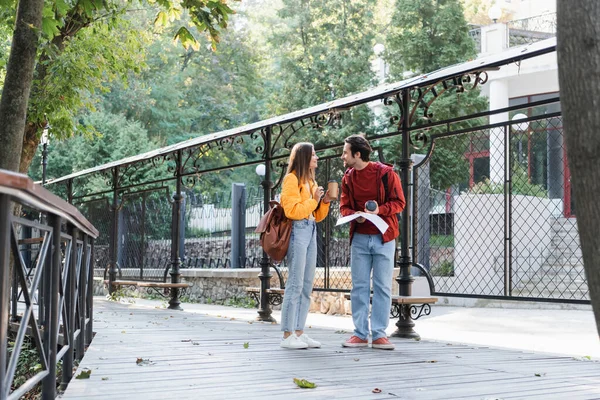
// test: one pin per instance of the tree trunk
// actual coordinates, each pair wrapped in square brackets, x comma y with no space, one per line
[579,77]
[30,145]
[17,84]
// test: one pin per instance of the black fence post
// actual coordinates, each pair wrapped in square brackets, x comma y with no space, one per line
[238,225]
[405,279]
[264,310]
[89,312]
[69,300]
[114,232]
[5,230]
[51,333]
[82,297]
[174,303]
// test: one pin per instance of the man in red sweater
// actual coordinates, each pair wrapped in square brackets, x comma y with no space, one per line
[371,251]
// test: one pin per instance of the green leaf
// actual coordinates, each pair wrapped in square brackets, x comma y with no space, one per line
[187,39]
[84,374]
[304,384]
[246,345]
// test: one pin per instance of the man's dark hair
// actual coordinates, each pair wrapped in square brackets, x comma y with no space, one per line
[358,144]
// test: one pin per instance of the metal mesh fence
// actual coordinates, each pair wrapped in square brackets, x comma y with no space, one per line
[506,228]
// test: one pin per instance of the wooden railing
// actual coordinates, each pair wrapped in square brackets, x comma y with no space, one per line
[46,274]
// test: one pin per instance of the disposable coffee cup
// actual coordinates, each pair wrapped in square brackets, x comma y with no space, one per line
[332,186]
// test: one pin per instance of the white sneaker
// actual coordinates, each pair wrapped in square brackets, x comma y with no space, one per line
[311,343]
[292,342]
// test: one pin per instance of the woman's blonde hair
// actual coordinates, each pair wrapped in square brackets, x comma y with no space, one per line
[299,162]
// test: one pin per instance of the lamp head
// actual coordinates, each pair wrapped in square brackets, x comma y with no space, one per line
[520,126]
[260,170]
[495,12]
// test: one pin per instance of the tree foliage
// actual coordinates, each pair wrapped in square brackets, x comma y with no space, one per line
[322,51]
[62,23]
[428,35]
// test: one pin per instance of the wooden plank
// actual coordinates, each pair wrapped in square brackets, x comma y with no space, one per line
[193,356]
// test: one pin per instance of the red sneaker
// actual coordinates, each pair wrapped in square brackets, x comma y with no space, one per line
[355,341]
[383,343]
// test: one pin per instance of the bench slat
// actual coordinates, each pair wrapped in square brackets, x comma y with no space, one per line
[150,284]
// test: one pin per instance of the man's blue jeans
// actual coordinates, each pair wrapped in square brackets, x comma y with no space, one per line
[369,255]
[302,262]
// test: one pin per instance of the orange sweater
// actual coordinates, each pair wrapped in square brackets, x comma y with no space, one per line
[298,203]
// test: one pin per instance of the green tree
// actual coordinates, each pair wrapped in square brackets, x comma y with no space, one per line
[322,50]
[61,23]
[427,35]
[114,138]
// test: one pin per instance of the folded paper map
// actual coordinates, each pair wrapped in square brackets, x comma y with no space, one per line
[374,218]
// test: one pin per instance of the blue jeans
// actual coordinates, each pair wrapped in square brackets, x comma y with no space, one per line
[302,262]
[368,255]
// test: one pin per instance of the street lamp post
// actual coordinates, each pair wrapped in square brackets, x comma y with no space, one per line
[45,141]
[261,171]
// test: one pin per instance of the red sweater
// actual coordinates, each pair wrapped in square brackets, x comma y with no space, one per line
[366,184]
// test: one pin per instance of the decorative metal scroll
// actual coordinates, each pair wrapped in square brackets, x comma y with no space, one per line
[412,311]
[282,135]
[421,99]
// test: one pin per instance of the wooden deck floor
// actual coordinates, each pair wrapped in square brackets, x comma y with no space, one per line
[192,356]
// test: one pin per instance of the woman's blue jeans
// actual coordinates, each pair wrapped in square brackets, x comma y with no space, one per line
[369,255]
[302,262]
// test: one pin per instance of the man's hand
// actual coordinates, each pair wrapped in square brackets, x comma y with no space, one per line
[376,211]
[360,220]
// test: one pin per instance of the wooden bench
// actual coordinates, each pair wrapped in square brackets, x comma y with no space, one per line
[275,294]
[408,309]
[151,285]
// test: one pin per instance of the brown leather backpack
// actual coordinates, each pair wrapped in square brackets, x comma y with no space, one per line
[275,230]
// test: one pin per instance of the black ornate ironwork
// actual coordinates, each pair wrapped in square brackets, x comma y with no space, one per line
[412,311]
[421,99]
[50,282]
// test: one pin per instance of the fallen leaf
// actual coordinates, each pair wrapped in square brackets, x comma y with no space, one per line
[542,374]
[246,345]
[376,390]
[84,374]
[432,361]
[304,384]
[122,331]
[250,322]
[357,359]
[105,378]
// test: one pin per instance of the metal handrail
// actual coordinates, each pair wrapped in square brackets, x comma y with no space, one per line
[57,281]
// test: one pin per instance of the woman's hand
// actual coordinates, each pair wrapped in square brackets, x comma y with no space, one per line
[327,199]
[318,193]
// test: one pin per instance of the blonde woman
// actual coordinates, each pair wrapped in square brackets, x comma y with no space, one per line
[305,203]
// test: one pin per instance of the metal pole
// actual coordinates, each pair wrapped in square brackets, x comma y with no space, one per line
[174,303]
[507,214]
[49,382]
[69,303]
[5,231]
[82,297]
[327,264]
[44,162]
[114,237]
[89,313]
[405,279]
[264,310]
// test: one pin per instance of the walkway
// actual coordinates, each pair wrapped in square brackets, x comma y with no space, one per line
[142,351]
